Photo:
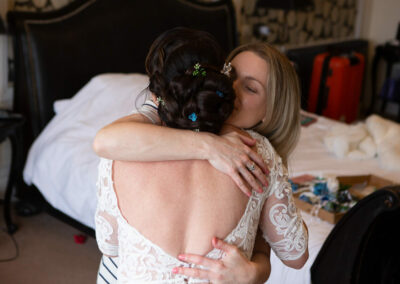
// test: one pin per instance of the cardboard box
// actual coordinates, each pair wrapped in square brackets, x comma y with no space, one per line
[361,186]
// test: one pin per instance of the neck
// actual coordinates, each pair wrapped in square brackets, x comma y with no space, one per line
[227,127]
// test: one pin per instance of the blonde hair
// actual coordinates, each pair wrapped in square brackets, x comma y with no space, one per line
[282,122]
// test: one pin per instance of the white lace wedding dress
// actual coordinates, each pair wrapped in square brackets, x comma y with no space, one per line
[141,261]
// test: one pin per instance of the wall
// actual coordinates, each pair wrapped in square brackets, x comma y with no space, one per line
[322,21]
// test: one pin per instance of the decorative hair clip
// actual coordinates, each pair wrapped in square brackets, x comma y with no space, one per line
[160,101]
[196,130]
[198,70]
[226,70]
[192,117]
[219,93]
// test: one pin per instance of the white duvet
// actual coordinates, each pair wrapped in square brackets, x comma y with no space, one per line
[61,162]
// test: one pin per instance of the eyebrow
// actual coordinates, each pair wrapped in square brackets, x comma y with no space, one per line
[253,79]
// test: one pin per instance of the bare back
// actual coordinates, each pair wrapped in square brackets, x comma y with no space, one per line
[178,205]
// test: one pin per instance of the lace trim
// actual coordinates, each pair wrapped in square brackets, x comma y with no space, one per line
[103,232]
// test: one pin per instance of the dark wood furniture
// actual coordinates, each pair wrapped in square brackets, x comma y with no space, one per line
[10,124]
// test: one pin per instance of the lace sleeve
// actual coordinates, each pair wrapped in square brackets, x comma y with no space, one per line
[280,220]
[105,218]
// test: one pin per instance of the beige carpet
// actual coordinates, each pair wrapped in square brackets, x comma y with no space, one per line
[47,253]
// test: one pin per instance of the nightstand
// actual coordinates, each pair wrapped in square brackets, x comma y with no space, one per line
[10,124]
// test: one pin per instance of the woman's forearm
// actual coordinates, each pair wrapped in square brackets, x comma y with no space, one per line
[134,139]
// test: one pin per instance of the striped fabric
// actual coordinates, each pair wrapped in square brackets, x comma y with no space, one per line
[107,270]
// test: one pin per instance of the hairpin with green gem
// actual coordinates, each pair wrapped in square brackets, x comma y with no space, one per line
[160,101]
[198,70]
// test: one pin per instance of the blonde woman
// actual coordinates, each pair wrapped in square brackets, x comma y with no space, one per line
[268,102]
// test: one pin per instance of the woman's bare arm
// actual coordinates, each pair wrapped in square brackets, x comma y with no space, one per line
[135,138]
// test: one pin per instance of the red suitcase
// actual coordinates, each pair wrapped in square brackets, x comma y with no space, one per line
[336,84]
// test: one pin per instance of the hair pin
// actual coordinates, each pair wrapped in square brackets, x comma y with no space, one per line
[192,117]
[220,94]
[226,70]
[160,101]
[198,70]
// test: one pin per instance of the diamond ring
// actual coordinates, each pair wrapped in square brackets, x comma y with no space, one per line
[251,166]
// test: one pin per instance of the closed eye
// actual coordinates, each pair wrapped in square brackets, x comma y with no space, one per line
[251,89]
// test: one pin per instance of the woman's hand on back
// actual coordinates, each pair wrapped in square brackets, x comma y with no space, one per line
[231,154]
[234,267]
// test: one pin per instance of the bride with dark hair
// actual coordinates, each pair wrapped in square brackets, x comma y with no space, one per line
[150,212]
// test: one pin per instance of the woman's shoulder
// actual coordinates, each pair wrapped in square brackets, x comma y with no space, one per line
[262,141]
[265,149]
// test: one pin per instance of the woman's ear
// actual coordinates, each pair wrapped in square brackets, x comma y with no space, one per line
[154,99]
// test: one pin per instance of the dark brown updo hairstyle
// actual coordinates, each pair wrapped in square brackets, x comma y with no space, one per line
[170,66]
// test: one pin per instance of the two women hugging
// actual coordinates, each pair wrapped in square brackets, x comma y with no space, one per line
[169,209]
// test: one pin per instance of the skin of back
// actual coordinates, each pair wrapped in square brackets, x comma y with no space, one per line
[178,205]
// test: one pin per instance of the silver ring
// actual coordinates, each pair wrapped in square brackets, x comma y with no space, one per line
[251,166]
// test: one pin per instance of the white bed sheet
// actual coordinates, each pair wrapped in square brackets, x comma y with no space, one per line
[312,157]
[62,164]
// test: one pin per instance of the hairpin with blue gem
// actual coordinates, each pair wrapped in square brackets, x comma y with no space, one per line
[219,93]
[198,70]
[192,116]
[226,70]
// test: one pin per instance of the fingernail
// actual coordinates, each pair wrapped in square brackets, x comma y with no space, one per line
[182,257]
[175,270]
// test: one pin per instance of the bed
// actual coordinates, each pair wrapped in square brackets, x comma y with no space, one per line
[82,67]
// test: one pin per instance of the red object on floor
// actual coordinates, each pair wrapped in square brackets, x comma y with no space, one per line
[336,84]
[80,239]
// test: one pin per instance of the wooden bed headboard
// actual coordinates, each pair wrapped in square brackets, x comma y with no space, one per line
[57,52]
